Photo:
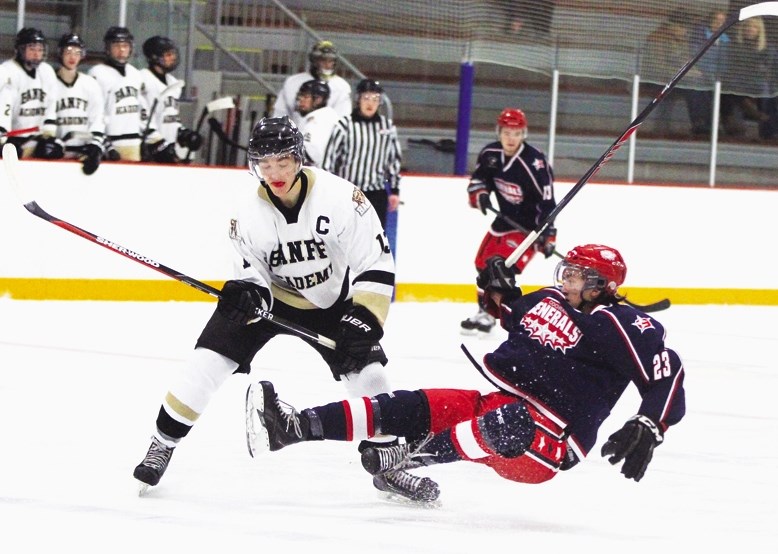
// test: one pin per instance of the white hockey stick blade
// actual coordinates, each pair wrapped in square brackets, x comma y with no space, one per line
[224,103]
[763,8]
[11,164]
[178,85]
[257,438]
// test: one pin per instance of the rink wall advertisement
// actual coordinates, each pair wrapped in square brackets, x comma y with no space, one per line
[694,245]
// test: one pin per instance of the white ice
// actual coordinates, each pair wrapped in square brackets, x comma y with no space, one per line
[82,383]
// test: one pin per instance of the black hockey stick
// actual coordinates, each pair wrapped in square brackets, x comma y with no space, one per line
[218,130]
[648,308]
[224,103]
[763,8]
[10,161]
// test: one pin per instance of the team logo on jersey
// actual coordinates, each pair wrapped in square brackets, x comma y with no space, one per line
[361,205]
[643,323]
[510,191]
[538,164]
[548,323]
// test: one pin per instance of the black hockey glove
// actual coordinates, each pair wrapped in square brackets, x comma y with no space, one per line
[634,443]
[240,301]
[547,241]
[49,148]
[499,285]
[160,152]
[484,202]
[93,154]
[189,139]
[358,333]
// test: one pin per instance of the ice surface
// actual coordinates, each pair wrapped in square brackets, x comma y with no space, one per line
[82,383]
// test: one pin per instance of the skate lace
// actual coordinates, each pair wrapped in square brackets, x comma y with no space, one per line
[158,455]
[290,416]
[404,481]
[403,455]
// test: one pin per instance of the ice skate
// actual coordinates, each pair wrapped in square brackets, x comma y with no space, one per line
[401,486]
[481,322]
[153,466]
[270,423]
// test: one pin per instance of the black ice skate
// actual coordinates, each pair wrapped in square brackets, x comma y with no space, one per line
[270,423]
[400,484]
[153,466]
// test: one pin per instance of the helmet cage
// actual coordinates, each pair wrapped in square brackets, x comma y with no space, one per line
[155,48]
[117,34]
[26,37]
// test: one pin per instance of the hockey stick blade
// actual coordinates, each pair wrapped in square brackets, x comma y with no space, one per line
[11,163]
[224,103]
[760,9]
[654,307]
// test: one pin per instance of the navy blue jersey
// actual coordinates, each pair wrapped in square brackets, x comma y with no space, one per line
[575,366]
[523,184]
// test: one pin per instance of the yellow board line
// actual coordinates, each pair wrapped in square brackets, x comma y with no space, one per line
[143,290]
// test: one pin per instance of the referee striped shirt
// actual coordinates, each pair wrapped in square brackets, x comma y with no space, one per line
[365,152]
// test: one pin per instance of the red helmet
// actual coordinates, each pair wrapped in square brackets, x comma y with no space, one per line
[512,117]
[607,269]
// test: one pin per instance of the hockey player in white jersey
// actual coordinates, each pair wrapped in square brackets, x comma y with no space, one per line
[31,80]
[311,250]
[316,119]
[162,56]
[125,103]
[323,59]
[79,106]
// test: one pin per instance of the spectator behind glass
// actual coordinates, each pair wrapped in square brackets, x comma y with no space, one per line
[747,73]
[667,50]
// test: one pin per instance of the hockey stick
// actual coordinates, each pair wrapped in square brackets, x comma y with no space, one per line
[218,130]
[17,132]
[167,91]
[763,8]
[224,103]
[10,161]
[648,308]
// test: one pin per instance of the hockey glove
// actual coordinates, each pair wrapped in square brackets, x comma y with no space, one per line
[189,139]
[241,300]
[93,154]
[634,443]
[358,333]
[499,285]
[160,152]
[546,242]
[49,148]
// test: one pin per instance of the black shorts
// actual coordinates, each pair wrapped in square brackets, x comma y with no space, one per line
[241,343]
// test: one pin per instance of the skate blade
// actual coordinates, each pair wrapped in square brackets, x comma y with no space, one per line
[143,489]
[395,498]
[257,438]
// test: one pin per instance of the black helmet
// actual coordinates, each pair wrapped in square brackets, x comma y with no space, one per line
[317,89]
[117,34]
[369,85]
[154,49]
[274,137]
[28,35]
[71,39]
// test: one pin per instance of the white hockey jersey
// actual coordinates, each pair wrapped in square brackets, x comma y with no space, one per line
[31,98]
[79,109]
[125,103]
[6,100]
[166,118]
[329,248]
[316,128]
[286,103]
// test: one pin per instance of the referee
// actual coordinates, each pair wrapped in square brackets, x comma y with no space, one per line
[364,150]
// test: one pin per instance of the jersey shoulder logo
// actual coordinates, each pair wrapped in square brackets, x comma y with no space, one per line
[538,164]
[235,230]
[361,205]
[643,324]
